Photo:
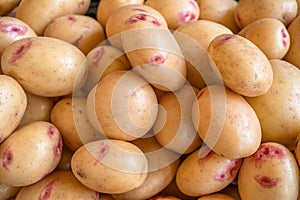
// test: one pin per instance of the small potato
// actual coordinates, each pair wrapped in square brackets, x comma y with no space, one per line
[243,66]
[122,106]
[38,109]
[99,164]
[7,192]
[30,153]
[69,116]
[44,66]
[199,175]
[13,103]
[226,122]
[216,196]
[270,35]
[82,31]
[7,5]
[38,14]
[271,173]
[248,11]
[220,11]
[57,186]
[293,54]
[174,128]
[176,13]
[278,110]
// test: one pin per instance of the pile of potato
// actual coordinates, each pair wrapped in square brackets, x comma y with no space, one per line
[155,99]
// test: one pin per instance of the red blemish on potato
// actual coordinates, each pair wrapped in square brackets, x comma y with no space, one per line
[77,41]
[51,131]
[72,19]
[224,39]
[57,150]
[139,9]
[46,192]
[20,51]
[13,29]
[284,37]
[7,158]
[97,56]
[268,151]
[186,16]
[158,59]
[102,151]
[81,3]
[229,172]
[143,17]
[266,182]
[238,19]
[194,4]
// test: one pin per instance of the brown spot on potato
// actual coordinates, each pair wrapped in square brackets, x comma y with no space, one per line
[46,192]
[266,182]
[81,174]
[77,41]
[13,29]
[20,51]
[7,158]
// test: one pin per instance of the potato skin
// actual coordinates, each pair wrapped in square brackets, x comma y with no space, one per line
[44,66]
[271,173]
[7,5]
[7,192]
[13,103]
[30,153]
[216,196]
[243,66]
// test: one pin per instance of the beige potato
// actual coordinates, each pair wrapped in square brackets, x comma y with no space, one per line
[7,192]
[248,11]
[44,66]
[29,154]
[220,11]
[82,31]
[13,103]
[38,109]
[70,117]
[164,197]
[270,35]
[107,7]
[38,14]
[293,54]
[243,66]
[12,29]
[176,13]
[197,175]
[278,110]
[99,164]
[226,122]
[102,60]
[162,167]
[172,190]
[122,106]
[174,128]
[7,6]
[271,173]
[216,196]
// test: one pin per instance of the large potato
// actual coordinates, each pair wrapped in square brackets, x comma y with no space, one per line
[271,173]
[57,186]
[110,166]
[44,66]
[30,153]
[7,5]
[226,122]
[243,66]
[13,103]
[278,110]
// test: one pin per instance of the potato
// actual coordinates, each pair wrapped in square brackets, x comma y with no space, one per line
[164,197]
[99,164]
[271,173]
[7,192]
[7,6]
[82,31]
[38,109]
[38,14]
[44,66]
[102,60]
[173,190]
[122,106]
[107,7]
[162,167]
[176,13]
[29,154]
[65,161]
[57,185]
[174,128]
[12,29]
[220,11]
[248,11]
[243,66]
[105,197]
[13,103]
[226,122]
[270,35]
[216,196]
[197,175]
[278,110]
[292,56]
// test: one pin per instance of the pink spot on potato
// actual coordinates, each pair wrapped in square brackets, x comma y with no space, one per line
[157,59]
[102,151]
[97,56]
[194,4]
[51,131]
[13,29]
[46,192]
[266,182]
[71,18]
[186,16]
[203,160]
[284,37]
[266,152]
[20,51]
[77,41]
[81,3]
[229,172]
[7,158]
[57,150]
[143,17]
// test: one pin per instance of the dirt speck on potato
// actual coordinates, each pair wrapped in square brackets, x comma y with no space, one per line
[46,192]
[266,182]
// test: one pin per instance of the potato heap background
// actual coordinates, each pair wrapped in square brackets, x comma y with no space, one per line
[155,99]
